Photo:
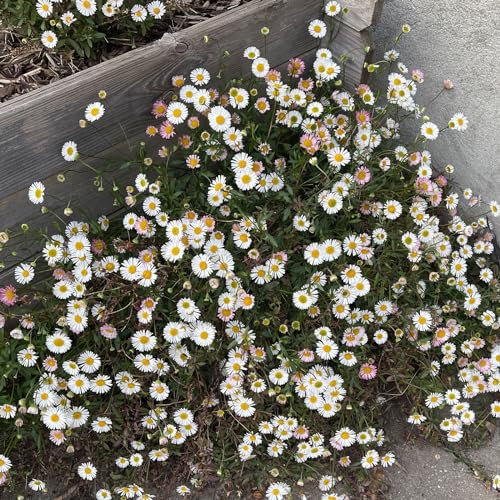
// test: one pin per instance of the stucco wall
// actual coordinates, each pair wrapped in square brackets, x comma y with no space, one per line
[460,41]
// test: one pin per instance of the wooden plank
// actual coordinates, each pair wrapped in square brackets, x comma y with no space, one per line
[363,13]
[34,126]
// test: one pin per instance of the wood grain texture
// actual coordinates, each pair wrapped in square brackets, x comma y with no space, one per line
[34,126]
[363,13]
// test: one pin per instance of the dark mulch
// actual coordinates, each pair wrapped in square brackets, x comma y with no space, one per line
[26,65]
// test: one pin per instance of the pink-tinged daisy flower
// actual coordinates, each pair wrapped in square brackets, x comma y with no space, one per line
[363,117]
[262,105]
[362,175]
[149,303]
[306,356]
[8,295]
[50,364]
[97,246]
[178,81]
[281,256]
[225,314]
[296,67]
[273,75]
[193,122]
[142,225]
[310,143]
[423,185]
[483,365]
[301,432]
[305,84]
[57,437]
[362,89]
[367,371]
[108,331]
[417,75]
[59,274]
[151,130]
[436,197]
[336,444]
[415,158]
[185,141]
[159,108]
[163,152]
[441,181]
[167,130]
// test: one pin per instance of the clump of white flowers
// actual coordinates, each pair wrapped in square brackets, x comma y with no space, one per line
[274,268]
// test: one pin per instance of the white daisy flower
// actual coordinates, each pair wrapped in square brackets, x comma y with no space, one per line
[101,425]
[143,341]
[199,76]
[86,7]
[392,209]
[304,299]
[260,67]
[203,333]
[44,8]
[49,39]
[317,28]
[219,119]
[94,111]
[5,464]
[69,151]
[36,193]
[159,391]
[156,9]
[429,130]
[24,273]
[177,112]
[58,343]
[202,266]
[138,13]
[338,157]
[87,471]
[332,8]
[27,357]
[68,18]
[422,321]
[251,53]
[54,418]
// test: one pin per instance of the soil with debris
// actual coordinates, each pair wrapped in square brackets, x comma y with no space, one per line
[26,65]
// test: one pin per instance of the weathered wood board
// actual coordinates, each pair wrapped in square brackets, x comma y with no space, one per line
[34,126]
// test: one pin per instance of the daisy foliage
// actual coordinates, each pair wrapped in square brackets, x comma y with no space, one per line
[283,267]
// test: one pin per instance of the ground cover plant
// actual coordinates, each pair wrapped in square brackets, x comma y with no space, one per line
[280,265]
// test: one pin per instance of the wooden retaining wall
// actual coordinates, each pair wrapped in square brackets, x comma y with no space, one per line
[34,126]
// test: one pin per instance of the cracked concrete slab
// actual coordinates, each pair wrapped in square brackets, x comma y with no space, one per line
[425,471]
[488,456]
